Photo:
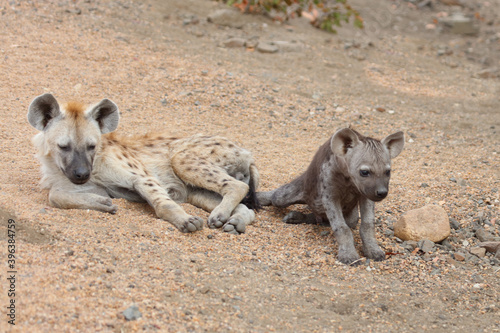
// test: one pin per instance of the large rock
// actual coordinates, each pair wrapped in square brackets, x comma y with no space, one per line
[430,222]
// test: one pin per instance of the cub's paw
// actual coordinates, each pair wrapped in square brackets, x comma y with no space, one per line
[349,258]
[298,218]
[294,218]
[375,253]
[190,224]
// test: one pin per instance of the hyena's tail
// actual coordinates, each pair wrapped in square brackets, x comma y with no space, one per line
[250,200]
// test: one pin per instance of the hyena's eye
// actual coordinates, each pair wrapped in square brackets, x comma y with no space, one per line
[64,147]
[388,173]
[90,147]
[364,173]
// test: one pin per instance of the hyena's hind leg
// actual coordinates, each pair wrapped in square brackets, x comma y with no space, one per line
[203,174]
[284,196]
[237,222]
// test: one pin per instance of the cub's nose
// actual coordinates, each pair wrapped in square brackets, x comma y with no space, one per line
[381,194]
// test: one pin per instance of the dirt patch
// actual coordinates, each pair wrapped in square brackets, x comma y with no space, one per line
[24,230]
[169,69]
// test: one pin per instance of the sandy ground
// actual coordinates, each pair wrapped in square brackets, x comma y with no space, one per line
[166,68]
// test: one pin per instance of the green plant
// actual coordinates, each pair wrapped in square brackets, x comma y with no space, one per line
[323,14]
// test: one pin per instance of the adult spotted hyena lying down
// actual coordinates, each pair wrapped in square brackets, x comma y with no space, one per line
[348,172]
[84,167]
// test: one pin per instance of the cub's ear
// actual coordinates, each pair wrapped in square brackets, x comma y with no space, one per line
[106,114]
[343,140]
[394,143]
[42,110]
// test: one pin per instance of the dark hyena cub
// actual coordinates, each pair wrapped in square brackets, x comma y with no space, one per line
[348,171]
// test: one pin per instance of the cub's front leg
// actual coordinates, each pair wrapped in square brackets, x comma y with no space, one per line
[67,199]
[367,231]
[342,232]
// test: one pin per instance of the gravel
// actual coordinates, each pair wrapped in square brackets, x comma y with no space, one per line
[80,270]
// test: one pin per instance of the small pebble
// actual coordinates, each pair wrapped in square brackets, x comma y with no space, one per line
[132,313]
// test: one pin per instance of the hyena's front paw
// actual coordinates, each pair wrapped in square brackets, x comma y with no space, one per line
[106,205]
[348,257]
[217,219]
[374,252]
[190,224]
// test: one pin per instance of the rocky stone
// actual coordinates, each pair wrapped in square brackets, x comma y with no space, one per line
[204,290]
[458,23]
[226,17]
[132,313]
[469,258]
[426,245]
[478,251]
[460,256]
[252,43]
[235,42]
[488,73]
[484,236]
[267,48]
[454,224]
[430,222]
[285,46]
[452,261]
[446,243]
[409,245]
[492,247]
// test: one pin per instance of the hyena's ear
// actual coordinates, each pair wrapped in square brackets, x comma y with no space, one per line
[394,143]
[106,114]
[343,140]
[42,110]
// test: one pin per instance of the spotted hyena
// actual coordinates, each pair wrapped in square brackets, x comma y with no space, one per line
[348,174]
[84,165]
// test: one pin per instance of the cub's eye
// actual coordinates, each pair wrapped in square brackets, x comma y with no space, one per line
[364,173]
[388,173]
[64,147]
[90,147]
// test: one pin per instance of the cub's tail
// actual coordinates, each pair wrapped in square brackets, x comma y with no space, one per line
[250,200]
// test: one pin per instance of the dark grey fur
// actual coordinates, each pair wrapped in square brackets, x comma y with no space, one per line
[348,172]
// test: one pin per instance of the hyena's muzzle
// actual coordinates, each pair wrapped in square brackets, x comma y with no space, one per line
[77,167]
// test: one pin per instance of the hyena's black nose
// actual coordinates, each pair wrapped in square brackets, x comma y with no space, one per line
[81,174]
[381,194]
